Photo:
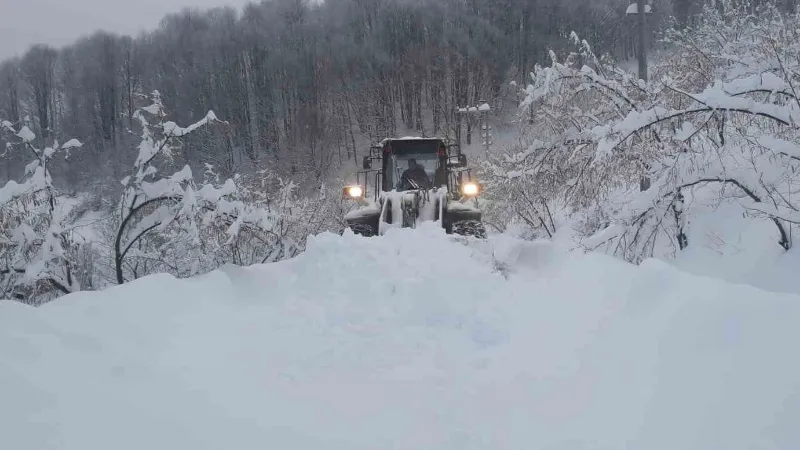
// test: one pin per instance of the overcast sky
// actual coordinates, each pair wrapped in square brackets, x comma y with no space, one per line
[59,22]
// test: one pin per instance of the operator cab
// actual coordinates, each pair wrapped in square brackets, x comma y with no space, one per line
[405,159]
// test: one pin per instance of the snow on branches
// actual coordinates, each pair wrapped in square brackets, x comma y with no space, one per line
[166,220]
[719,119]
[172,224]
[36,245]
[566,107]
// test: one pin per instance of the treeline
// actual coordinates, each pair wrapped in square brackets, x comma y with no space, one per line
[301,84]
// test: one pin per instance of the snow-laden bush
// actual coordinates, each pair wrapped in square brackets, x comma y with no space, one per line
[38,250]
[171,222]
[629,159]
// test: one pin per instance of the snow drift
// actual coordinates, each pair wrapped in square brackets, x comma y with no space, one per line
[411,341]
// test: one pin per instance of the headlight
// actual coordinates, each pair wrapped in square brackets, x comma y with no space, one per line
[354,191]
[470,189]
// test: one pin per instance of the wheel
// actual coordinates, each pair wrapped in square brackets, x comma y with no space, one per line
[470,228]
[363,229]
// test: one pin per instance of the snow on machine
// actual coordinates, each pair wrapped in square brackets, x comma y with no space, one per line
[416,180]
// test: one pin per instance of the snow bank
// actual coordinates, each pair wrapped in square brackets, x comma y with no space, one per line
[411,340]
[742,250]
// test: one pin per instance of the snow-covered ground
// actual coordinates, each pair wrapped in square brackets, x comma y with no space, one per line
[740,250]
[414,340]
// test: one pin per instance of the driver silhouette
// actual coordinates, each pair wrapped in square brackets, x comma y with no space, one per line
[415,177]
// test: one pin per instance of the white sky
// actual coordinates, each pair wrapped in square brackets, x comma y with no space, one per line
[60,22]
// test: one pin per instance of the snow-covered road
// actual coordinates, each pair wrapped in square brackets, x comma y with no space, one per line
[409,341]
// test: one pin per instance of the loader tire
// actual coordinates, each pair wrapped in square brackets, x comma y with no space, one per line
[470,228]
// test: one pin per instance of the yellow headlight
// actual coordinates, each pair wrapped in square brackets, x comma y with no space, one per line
[354,191]
[470,189]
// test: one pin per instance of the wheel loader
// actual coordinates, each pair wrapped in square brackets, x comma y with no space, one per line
[415,180]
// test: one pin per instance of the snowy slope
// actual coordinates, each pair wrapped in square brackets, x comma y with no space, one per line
[409,341]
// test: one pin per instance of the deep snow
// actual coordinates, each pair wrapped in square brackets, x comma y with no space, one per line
[741,250]
[414,340]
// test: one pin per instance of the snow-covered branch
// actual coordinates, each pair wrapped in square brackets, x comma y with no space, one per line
[720,119]
[173,218]
[36,245]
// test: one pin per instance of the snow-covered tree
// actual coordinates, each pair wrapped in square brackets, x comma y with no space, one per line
[556,166]
[173,224]
[718,120]
[37,246]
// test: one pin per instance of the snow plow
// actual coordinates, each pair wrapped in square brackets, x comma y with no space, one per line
[415,180]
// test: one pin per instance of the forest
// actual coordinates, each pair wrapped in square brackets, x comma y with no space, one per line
[303,87]
[223,136]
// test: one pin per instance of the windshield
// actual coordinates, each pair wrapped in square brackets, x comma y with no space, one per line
[398,164]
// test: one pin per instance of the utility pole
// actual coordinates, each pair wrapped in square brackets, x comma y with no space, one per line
[641,16]
[486,129]
[482,111]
